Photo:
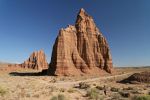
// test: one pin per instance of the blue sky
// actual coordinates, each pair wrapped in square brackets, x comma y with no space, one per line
[29,25]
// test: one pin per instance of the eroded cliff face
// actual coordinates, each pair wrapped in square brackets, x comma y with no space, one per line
[80,49]
[37,60]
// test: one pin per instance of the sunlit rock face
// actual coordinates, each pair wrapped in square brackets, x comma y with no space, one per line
[80,49]
[37,60]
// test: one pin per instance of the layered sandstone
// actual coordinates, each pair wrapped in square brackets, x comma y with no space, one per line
[80,49]
[37,60]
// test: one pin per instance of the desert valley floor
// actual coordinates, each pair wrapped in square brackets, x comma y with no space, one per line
[25,84]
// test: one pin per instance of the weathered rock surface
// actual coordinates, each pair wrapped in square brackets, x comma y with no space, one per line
[143,77]
[37,60]
[80,49]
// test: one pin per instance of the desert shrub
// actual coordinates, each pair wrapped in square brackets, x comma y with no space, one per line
[3,91]
[99,87]
[62,90]
[71,90]
[83,85]
[94,94]
[94,84]
[135,92]
[59,97]
[125,94]
[35,95]
[148,86]
[116,96]
[113,89]
[128,88]
[22,92]
[28,95]
[149,93]
[54,98]
[52,88]
[145,97]
[53,80]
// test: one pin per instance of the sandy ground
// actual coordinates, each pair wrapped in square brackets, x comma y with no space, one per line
[29,87]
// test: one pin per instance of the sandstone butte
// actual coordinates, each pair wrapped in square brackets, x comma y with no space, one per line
[37,61]
[80,49]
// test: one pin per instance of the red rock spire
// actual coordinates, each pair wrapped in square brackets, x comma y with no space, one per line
[80,49]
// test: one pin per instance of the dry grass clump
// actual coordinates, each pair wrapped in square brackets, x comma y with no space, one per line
[36,95]
[94,94]
[136,92]
[3,91]
[99,87]
[149,93]
[113,89]
[125,94]
[62,90]
[59,97]
[132,90]
[53,80]
[94,84]
[83,85]
[144,97]
[128,88]
[116,96]
[52,88]
[71,90]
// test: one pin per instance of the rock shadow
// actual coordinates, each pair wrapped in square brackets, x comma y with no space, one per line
[42,73]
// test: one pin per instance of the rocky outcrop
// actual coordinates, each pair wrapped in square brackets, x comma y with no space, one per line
[143,77]
[80,49]
[37,60]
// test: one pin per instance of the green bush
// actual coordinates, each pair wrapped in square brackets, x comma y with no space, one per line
[145,97]
[94,94]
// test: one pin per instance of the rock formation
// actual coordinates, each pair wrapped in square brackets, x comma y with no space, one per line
[143,77]
[80,49]
[37,60]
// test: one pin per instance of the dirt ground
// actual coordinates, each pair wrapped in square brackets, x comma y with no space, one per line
[23,84]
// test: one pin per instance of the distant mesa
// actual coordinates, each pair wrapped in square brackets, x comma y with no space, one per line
[80,49]
[37,61]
